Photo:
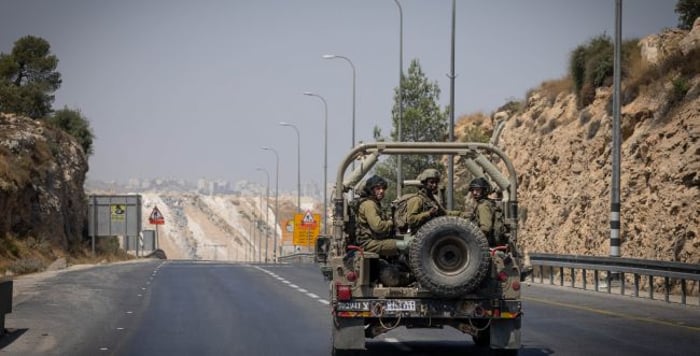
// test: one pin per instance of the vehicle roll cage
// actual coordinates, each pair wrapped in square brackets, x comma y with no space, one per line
[474,156]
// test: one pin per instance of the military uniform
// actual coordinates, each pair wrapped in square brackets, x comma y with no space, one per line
[483,216]
[374,230]
[418,210]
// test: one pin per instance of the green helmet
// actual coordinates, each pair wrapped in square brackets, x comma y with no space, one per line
[427,174]
[480,182]
[374,181]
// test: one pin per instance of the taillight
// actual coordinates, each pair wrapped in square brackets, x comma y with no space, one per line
[502,276]
[516,285]
[351,276]
[344,292]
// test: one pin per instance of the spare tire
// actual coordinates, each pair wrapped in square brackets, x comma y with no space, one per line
[449,256]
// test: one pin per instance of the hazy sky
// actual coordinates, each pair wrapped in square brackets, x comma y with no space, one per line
[193,89]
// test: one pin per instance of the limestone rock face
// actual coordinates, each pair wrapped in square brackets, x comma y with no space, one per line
[42,171]
[563,156]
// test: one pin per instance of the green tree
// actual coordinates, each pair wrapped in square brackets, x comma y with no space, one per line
[423,121]
[28,78]
[688,11]
[74,123]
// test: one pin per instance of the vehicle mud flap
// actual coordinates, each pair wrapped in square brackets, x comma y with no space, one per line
[348,334]
[505,333]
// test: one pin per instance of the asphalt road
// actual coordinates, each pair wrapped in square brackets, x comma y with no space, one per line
[208,308]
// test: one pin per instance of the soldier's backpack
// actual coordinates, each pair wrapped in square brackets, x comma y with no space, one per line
[499,232]
[399,209]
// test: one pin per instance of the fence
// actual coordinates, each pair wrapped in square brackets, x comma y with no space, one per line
[674,274]
[297,258]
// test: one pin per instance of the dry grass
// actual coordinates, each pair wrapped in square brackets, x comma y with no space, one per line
[28,255]
[552,88]
[676,68]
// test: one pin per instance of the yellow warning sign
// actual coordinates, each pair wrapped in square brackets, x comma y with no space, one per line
[118,211]
[307,226]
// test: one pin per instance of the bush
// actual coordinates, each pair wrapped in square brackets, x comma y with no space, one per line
[27,265]
[475,134]
[512,106]
[74,123]
[688,11]
[107,245]
[552,88]
[680,88]
[591,66]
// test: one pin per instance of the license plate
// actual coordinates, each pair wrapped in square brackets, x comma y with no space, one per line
[400,305]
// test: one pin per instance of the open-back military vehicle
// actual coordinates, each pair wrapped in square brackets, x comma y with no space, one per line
[453,277]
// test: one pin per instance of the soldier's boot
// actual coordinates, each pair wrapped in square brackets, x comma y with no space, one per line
[403,245]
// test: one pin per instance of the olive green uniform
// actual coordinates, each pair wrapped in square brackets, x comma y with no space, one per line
[374,230]
[418,210]
[483,216]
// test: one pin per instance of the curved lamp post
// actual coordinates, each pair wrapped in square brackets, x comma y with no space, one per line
[277,206]
[325,157]
[332,56]
[267,211]
[298,162]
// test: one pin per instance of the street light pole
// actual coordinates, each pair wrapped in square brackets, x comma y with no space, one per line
[277,206]
[325,158]
[331,56]
[399,174]
[298,162]
[267,211]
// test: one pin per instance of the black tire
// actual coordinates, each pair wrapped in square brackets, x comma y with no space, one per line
[449,256]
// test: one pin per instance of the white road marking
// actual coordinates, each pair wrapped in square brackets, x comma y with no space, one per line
[290,284]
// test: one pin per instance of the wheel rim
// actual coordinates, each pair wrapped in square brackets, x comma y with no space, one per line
[450,255]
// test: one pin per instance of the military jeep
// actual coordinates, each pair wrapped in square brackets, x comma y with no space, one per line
[450,277]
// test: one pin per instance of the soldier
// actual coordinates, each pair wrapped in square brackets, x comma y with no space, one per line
[484,210]
[374,230]
[425,205]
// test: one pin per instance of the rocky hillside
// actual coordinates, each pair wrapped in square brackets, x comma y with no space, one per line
[563,155]
[42,200]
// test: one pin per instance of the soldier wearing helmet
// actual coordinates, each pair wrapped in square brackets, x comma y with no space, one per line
[374,230]
[483,211]
[424,205]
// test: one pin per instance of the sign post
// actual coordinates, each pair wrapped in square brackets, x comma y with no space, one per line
[306,228]
[156,218]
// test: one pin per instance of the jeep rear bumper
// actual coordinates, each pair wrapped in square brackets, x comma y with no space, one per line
[428,308]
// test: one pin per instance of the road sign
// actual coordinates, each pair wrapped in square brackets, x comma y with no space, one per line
[306,228]
[156,217]
[118,211]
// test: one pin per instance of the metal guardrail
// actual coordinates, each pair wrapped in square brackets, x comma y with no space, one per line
[615,269]
[297,258]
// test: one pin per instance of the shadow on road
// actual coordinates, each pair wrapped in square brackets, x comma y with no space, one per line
[10,336]
[442,348]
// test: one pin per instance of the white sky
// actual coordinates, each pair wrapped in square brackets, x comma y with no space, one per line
[193,89]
